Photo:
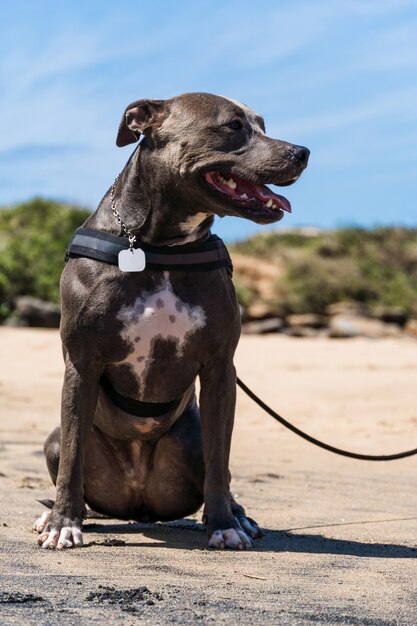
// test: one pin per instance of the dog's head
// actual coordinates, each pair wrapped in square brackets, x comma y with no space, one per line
[221,144]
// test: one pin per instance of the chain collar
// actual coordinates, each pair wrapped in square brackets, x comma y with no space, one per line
[126,231]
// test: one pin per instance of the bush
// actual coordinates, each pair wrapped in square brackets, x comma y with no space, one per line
[371,266]
[33,238]
[321,267]
[313,283]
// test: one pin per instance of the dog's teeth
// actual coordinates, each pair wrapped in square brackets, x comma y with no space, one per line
[243,196]
[230,183]
[270,203]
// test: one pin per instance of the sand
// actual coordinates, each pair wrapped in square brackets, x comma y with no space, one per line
[340,535]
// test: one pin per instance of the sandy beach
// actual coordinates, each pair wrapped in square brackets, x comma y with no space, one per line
[340,535]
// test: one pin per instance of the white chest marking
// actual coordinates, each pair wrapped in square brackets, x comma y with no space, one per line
[160,314]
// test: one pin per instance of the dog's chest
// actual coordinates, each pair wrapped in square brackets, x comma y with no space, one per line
[157,316]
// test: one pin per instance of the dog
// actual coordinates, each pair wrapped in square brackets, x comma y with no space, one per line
[141,338]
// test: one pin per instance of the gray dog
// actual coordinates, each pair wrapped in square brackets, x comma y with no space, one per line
[133,442]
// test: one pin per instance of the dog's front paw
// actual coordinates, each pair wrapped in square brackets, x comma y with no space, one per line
[58,531]
[232,538]
[61,538]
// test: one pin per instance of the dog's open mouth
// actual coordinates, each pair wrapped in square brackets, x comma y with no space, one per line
[248,195]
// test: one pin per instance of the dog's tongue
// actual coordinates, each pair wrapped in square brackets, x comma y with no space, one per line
[262,193]
[245,192]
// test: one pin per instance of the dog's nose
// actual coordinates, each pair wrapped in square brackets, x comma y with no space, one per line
[301,153]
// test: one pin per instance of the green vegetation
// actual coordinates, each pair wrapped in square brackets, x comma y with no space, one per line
[371,266]
[33,238]
[318,267]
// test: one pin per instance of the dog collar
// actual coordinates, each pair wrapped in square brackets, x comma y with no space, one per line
[210,254]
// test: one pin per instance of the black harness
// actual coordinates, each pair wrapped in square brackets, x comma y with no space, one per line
[137,407]
[200,256]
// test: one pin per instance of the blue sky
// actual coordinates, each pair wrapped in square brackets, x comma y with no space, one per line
[337,76]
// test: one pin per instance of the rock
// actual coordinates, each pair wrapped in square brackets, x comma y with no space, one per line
[13,322]
[347,307]
[261,327]
[34,312]
[344,326]
[310,320]
[303,331]
[390,314]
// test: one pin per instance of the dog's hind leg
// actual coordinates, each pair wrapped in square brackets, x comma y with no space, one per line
[51,449]
[246,523]
[176,482]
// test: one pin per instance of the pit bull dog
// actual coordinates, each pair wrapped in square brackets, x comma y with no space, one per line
[139,339]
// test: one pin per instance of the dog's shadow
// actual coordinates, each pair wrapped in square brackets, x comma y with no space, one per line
[189,535]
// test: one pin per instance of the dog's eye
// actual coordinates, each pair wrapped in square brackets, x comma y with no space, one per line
[235,125]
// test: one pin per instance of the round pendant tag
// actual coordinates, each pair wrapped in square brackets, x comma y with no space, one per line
[132,260]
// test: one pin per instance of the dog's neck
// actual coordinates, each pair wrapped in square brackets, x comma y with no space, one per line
[157,213]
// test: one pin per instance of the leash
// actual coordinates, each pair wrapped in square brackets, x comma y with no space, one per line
[316,442]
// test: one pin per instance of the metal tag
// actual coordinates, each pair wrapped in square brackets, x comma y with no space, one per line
[132,260]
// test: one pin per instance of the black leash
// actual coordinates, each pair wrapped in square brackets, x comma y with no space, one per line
[326,446]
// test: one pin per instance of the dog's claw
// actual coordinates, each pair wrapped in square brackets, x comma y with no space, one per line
[49,539]
[234,539]
[70,537]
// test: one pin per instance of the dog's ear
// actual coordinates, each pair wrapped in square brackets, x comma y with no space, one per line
[137,117]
